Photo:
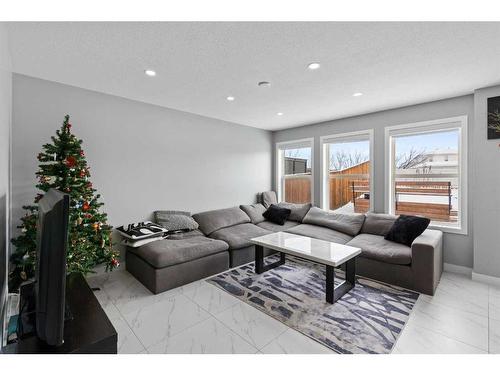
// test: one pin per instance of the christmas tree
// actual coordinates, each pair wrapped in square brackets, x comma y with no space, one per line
[63,167]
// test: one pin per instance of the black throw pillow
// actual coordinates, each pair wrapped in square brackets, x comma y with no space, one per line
[406,228]
[277,214]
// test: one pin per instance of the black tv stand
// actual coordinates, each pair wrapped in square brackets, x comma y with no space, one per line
[87,330]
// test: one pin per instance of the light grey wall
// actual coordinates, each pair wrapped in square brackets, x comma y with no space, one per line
[142,157]
[458,249]
[5,118]
[485,189]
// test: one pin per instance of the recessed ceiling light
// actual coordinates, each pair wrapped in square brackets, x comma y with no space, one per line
[357,94]
[264,84]
[230,98]
[150,73]
[280,113]
[314,65]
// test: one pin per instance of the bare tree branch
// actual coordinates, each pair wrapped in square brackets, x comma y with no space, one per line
[410,159]
[341,160]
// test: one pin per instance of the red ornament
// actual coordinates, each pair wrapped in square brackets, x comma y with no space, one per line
[68,126]
[88,216]
[83,172]
[70,161]
[85,206]
[114,262]
[82,153]
[89,185]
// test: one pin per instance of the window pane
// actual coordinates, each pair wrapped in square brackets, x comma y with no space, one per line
[297,175]
[426,180]
[349,176]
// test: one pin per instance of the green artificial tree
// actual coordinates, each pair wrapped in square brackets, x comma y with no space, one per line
[63,167]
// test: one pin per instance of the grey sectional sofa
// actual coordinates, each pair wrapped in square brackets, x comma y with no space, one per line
[222,242]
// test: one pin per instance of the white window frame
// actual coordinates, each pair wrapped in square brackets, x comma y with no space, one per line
[325,162]
[458,122]
[280,146]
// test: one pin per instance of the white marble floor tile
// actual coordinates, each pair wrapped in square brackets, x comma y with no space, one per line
[418,340]
[293,342]
[97,281]
[471,329]
[107,305]
[254,326]
[207,337]
[494,339]
[461,294]
[494,306]
[465,283]
[128,343]
[211,298]
[156,322]
[129,295]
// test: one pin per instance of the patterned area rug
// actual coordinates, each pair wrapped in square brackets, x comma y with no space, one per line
[366,320]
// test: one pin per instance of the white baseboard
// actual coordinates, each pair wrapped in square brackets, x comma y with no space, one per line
[453,268]
[492,280]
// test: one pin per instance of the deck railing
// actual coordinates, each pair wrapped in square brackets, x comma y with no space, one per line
[355,189]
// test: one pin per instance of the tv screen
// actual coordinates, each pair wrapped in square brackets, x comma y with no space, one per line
[50,287]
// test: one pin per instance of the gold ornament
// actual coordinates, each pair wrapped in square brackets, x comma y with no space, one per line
[23,275]
[79,221]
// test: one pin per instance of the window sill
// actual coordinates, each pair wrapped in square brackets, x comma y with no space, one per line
[453,230]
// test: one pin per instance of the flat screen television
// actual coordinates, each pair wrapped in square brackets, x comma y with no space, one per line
[50,274]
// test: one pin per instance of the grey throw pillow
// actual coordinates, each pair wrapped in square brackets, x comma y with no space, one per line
[175,220]
[254,212]
[299,210]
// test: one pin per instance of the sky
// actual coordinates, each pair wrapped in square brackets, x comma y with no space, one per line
[422,142]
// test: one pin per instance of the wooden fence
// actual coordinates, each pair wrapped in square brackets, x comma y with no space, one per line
[341,183]
[298,188]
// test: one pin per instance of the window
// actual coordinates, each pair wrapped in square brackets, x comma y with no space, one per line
[427,171]
[346,172]
[295,171]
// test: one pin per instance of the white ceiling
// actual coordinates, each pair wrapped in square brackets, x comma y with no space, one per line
[199,64]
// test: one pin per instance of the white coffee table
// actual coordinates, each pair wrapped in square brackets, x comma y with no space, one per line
[330,254]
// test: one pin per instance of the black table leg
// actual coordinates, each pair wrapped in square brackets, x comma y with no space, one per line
[259,260]
[333,294]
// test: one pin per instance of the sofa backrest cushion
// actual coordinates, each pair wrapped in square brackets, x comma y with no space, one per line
[268,198]
[210,221]
[346,223]
[378,224]
[298,211]
[254,212]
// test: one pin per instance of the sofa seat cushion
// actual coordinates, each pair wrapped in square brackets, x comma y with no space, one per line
[239,236]
[165,253]
[273,227]
[322,233]
[377,248]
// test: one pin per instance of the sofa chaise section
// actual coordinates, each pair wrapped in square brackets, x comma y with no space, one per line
[167,264]
[418,267]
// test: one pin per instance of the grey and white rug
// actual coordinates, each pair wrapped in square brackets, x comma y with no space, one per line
[366,320]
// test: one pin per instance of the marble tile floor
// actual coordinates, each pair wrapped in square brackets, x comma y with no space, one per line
[463,317]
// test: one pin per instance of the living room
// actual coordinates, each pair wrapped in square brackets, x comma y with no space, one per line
[249,187]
